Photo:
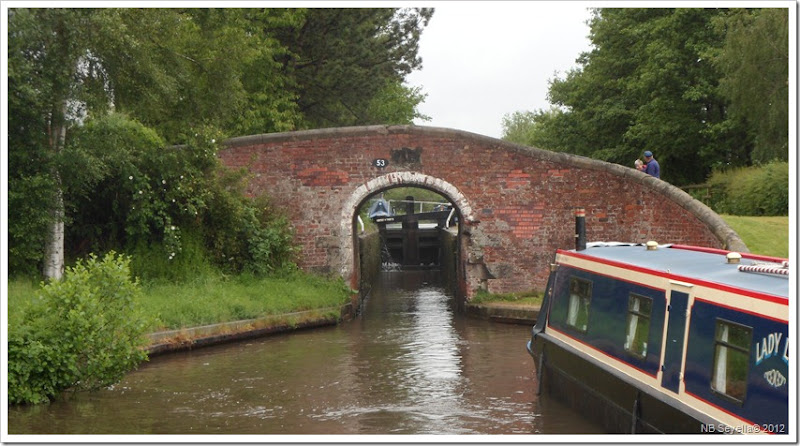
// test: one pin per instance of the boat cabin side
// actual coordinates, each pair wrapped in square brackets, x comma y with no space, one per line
[718,349]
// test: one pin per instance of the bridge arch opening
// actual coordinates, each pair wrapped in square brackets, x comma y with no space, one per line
[361,196]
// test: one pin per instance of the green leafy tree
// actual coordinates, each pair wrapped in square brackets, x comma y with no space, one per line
[182,69]
[341,59]
[47,52]
[755,63]
[177,75]
[647,86]
[541,129]
[654,80]
[396,104]
[31,185]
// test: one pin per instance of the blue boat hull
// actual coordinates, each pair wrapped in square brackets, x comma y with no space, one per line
[611,399]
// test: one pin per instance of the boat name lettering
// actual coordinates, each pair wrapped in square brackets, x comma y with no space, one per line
[775,378]
[769,346]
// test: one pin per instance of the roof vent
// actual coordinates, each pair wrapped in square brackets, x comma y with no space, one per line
[651,245]
[734,257]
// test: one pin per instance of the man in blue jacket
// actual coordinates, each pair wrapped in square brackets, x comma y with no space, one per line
[651,165]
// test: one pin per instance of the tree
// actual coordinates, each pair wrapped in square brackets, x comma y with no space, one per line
[183,73]
[647,86]
[182,69]
[341,59]
[397,104]
[46,47]
[648,83]
[542,128]
[64,67]
[755,63]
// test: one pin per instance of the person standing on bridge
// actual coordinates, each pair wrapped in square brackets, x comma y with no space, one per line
[651,165]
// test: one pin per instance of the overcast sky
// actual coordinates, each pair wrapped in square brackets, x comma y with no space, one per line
[483,60]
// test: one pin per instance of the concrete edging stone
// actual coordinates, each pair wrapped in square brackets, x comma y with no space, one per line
[206,335]
[504,312]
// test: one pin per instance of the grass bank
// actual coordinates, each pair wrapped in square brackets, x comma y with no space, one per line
[211,300]
[767,236]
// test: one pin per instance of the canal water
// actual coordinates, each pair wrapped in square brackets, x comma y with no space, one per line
[409,364]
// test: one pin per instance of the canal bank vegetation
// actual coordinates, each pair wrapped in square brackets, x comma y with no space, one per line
[196,250]
[80,333]
[87,330]
[761,190]
[211,300]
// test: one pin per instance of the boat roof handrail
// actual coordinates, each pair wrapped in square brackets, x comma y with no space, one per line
[763,269]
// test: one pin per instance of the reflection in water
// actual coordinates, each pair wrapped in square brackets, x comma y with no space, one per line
[417,385]
[408,365]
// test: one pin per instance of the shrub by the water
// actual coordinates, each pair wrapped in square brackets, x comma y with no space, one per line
[81,333]
[242,234]
[756,191]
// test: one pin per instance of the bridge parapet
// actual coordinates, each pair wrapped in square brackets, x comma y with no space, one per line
[516,202]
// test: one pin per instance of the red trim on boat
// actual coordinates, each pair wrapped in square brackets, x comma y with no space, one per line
[722,287]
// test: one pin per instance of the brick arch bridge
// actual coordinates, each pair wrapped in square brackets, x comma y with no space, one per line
[516,203]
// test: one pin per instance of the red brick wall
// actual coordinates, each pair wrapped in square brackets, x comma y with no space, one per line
[521,200]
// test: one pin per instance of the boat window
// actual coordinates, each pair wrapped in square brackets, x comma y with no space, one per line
[639,310]
[580,295]
[731,357]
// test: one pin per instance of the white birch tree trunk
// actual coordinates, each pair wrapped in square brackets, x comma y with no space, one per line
[54,249]
[53,268]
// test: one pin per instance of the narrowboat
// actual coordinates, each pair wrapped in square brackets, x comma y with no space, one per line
[650,338]
[380,208]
